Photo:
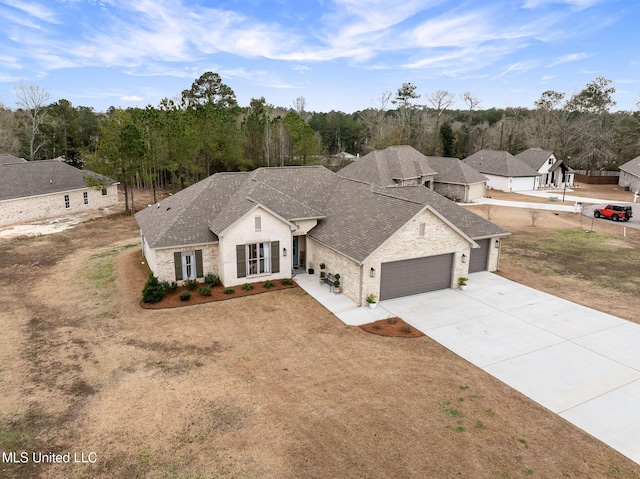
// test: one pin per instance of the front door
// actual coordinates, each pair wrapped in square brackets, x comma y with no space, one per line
[295,251]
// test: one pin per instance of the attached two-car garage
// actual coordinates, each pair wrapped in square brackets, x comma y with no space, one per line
[429,273]
[414,276]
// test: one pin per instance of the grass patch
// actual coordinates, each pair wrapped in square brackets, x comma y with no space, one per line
[608,262]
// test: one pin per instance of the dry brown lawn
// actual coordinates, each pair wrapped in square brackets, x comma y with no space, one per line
[269,386]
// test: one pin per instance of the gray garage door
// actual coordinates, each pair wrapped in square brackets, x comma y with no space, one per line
[479,256]
[414,276]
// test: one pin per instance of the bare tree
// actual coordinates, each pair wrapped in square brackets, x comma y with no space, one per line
[439,101]
[300,106]
[535,214]
[488,210]
[375,121]
[32,100]
[472,102]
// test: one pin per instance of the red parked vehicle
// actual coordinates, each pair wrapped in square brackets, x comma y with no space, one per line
[614,212]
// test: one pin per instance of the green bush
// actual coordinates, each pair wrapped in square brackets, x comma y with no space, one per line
[286,281]
[169,287]
[185,296]
[229,291]
[268,284]
[211,280]
[153,292]
[190,284]
[247,286]
[205,291]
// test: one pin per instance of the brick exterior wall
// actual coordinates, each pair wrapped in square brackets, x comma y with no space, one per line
[335,262]
[161,261]
[36,208]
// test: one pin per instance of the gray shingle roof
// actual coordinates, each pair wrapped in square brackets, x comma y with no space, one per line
[354,217]
[535,157]
[381,167]
[499,163]
[9,159]
[632,167]
[453,170]
[33,178]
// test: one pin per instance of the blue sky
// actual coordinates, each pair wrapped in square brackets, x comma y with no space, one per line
[337,54]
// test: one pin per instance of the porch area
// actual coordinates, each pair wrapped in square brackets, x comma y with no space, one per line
[345,309]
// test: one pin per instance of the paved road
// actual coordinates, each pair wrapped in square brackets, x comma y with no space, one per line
[588,205]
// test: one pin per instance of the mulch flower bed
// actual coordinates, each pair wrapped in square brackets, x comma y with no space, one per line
[394,327]
[172,300]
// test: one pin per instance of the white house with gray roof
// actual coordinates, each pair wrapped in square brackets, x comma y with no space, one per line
[250,227]
[504,171]
[553,173]
[630,174]
[403,165]
[48,189]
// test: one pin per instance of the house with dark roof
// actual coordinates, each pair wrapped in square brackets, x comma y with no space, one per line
[10,159]
[553,173]
[47,189]
[403,165]
[630,175]
[257,226]
[504,171]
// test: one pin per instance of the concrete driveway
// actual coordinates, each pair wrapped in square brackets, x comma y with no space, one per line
[580,363]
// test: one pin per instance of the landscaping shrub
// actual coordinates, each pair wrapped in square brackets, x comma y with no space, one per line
[286,281]
[185,296]
[153,291]
[268,284]
[247,287]
[229,291]
[211,280]
[169,287]
[205,291]
[190,284]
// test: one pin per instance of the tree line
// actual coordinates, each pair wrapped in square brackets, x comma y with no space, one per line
[203,130]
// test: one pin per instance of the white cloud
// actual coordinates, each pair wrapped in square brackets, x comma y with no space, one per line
[131,98]
[577,4]
[547,78]
[519,68]
[571,57]
[34,9]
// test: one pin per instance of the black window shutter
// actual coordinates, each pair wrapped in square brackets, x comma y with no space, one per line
[275,256]
[241,261]
[177,263]
[199,268]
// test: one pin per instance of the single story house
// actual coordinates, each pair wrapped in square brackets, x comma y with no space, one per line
[257,226]
[630,175]
[398,166]
[47,189]
[504,171]
[553,173]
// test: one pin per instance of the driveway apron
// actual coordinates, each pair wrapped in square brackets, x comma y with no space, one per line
[581,364]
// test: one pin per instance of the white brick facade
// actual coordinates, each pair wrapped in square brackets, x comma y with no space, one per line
[42,207]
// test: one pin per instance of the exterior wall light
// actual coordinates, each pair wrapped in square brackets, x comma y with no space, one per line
[372,273]
[284,251]
[464,258]
[497,243]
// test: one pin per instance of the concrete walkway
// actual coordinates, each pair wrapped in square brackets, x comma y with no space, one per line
[582,364]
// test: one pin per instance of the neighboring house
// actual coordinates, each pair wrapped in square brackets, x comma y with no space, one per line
[405,166]
[630,175]
[257,226]
[10,159]
[504,171]
[553,173]
[38,190]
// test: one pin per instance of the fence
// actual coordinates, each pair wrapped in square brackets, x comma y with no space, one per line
[597,177]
